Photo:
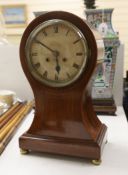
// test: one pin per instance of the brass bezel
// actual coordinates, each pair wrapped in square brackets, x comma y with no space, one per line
[31,68]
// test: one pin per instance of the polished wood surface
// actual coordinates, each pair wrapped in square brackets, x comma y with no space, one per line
[65,121]
[10,115]
[9,111]
[7,132]
[105,106]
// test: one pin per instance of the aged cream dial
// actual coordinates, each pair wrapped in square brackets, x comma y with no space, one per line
[56,52]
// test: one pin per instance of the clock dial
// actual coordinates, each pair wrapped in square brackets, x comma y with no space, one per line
[56,52]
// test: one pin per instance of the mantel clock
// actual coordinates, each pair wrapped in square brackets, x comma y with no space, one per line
[58,54]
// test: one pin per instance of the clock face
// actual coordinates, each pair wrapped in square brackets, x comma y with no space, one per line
[56,53]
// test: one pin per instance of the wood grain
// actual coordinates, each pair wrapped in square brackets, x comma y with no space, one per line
[8,112]
[10,115]
[7,133]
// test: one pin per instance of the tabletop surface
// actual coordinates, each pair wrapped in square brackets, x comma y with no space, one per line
[114,158]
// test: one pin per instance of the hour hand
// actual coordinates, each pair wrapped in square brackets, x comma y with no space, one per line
[58,68]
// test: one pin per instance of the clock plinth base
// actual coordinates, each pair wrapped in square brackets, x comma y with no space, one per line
[89,149]
[104,106]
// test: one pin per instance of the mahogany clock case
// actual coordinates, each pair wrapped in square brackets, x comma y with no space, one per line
[65,122]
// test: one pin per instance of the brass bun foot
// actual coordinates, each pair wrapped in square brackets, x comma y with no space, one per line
[96,162]
[24,151]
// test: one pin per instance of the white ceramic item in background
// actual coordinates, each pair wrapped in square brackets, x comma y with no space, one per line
[7,97]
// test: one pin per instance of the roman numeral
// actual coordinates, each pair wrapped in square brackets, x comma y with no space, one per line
[56,28]
[76,66]
[45,74]
[76,41]
[68,75]
[67,32]
[34,54]
[56,77]
[79,54]
[37,65]
[44,32]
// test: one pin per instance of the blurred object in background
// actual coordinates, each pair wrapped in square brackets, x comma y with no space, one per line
[3,39]
[90,4]
[7,99]
[102,91]
[2,106]
[38,13]
[125,97]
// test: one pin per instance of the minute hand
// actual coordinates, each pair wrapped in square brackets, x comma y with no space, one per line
[37,41]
